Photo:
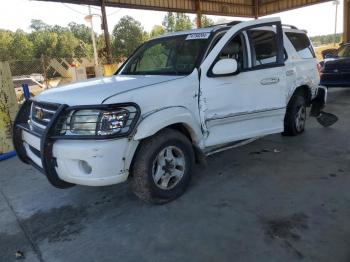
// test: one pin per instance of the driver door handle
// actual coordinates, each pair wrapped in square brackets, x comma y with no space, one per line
[270,81]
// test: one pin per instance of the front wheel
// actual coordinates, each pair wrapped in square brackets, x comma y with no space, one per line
[295,119]
[162,167]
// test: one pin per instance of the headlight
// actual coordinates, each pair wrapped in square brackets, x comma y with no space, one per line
[108,121]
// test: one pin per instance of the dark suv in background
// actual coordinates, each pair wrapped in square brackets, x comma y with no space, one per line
[335,69]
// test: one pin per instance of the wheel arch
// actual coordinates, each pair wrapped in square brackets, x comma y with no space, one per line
[176,118]
[179,118]
[304,90]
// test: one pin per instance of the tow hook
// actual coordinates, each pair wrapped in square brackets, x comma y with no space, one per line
[317,104]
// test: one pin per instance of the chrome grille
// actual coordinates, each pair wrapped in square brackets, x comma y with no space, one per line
[42,113]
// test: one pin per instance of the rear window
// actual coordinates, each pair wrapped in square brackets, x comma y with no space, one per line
[301,44]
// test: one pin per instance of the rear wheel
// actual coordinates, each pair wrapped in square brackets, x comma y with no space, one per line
[295,119]
[162,167]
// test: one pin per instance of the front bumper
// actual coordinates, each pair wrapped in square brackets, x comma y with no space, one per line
[69,162]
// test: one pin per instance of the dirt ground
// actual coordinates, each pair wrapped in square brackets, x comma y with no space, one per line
[277,199]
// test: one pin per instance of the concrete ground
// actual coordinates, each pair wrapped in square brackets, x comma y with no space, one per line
[277,199]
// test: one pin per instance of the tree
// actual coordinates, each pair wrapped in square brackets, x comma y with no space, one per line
[44,43]
[128,34]
[157,30]
[37,25]
[66,45]
[6,39]
[207,21]
[21,47]
[173,22]
[81,31]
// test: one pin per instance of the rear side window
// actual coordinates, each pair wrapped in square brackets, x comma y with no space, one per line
[264,47]
[301,44]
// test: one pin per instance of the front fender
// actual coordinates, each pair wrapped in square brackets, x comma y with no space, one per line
[154,121]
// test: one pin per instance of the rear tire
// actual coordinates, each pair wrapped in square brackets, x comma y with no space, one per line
[295,118]
[162,167]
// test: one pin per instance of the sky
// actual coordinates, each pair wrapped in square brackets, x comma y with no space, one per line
[16,14]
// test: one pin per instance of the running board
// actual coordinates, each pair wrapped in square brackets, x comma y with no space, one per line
[217,149]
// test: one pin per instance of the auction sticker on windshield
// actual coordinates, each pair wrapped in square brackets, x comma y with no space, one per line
[197,36]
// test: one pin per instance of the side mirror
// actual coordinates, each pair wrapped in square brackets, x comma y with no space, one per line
[225,67]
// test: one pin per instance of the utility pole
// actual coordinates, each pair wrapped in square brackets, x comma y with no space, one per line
[336,3]
[106,33]
[93,39]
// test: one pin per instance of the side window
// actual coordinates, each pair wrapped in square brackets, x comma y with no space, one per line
[235,49]
[301,44]
[215,41]
[264,47]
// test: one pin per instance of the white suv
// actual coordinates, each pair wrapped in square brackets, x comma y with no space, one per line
[179,97]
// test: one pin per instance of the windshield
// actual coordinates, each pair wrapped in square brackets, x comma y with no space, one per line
[344,51]
[177,55]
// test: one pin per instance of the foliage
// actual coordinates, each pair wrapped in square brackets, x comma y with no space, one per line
[174,22]
[207,21]
[81,32]
[157,30]
[51,41]
[38,25]
[325,39]
[21,47]
[6,39]
[128,34]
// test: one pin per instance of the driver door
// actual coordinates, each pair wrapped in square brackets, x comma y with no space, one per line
[250,102]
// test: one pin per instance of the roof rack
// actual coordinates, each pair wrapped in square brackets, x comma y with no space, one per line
[290,26]
[232,23]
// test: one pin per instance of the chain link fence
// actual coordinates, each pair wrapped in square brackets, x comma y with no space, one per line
[46,72]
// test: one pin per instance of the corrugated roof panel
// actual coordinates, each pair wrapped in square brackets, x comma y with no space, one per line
[243,8]
[267,7]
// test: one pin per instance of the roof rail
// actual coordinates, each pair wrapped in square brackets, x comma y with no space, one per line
[290,26]
[232,23]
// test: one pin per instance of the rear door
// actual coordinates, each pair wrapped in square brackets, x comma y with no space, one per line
[252,102]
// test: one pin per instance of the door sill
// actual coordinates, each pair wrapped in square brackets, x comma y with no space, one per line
[217,149]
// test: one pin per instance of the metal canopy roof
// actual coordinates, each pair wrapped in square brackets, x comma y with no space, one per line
[241,8]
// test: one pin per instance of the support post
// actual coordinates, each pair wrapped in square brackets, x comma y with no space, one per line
[199,14]
[8,108]
[346,34]
[256,9]
[106,33]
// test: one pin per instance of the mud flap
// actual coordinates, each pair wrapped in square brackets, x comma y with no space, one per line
[317,104]
[326,119]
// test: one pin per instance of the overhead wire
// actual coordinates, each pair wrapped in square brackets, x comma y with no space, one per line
[74,10]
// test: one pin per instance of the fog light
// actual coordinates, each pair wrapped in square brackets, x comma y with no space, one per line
[87,169]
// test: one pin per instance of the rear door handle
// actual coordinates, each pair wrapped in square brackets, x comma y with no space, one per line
[269,81]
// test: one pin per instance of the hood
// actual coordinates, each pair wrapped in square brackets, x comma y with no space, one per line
[96,90]
[337,63]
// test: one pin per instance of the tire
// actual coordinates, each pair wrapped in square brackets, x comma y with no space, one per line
[295,118]
[162,167]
